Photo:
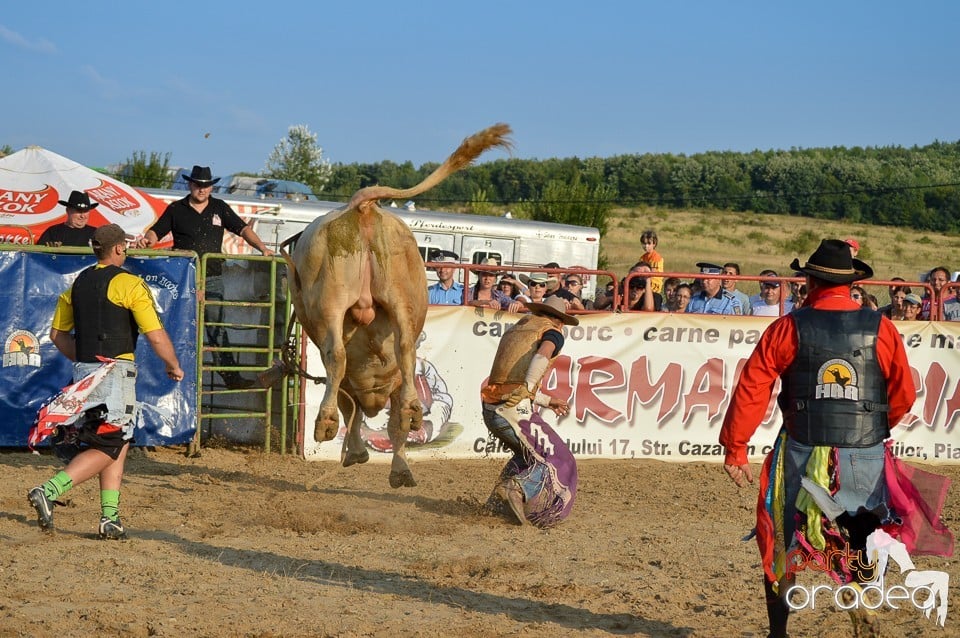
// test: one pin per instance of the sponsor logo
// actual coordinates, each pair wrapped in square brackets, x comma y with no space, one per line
[837,379]
[28,202]
[21,348]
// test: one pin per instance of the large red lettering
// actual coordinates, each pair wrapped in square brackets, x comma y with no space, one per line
[597,374]
[641,389]
[707,390]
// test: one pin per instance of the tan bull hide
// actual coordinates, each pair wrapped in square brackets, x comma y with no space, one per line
[359,289]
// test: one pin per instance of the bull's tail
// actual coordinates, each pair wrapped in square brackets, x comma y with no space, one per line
[469,150]
[293,277]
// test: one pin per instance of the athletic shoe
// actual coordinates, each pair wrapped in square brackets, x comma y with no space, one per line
[111,529]
[43,505]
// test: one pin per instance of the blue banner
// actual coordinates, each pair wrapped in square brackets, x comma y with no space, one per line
[33,370]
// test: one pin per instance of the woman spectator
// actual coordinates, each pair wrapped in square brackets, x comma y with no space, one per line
[858,294]
[509,286]
[536,284]
[897,296]
[485,293]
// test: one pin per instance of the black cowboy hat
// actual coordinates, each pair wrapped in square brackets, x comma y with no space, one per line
[832,262]
[553,306]
[79,201]
[201,176]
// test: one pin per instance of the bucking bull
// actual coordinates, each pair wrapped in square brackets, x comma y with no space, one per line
[359,289]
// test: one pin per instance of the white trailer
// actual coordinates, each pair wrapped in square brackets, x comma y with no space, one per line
[476,238]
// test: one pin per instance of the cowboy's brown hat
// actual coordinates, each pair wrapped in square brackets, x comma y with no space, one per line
[553,306]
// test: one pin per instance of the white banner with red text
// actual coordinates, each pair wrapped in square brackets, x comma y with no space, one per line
[640,385]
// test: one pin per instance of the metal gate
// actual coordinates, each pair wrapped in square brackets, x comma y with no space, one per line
[244,316]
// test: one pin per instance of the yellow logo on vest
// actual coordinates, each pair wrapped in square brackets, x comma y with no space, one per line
[21,349]
[837,379]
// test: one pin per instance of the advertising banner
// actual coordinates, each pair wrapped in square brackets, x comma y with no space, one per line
[640,385]
[33,370]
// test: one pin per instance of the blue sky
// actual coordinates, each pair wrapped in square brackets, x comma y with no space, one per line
[96,81]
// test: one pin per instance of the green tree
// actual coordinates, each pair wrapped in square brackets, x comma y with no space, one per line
[299,158]
[5,150]
[147,172]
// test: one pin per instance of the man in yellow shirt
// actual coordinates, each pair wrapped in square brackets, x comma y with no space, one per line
[96,324]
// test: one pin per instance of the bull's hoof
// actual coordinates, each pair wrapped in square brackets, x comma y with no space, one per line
[353,458]
[325,428]
[402,479]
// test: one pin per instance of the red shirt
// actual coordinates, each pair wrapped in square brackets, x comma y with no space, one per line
[775,352]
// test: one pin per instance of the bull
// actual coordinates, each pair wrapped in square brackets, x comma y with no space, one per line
[359,289]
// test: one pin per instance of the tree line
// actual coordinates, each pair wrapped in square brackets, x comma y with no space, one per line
[916,187]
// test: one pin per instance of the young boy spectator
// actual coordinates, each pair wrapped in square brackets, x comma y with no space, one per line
[649,241]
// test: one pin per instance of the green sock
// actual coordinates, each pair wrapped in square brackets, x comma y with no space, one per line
[110,504]
[58,485]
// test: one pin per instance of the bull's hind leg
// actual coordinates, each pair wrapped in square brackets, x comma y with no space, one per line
[334,357]
[354,451]
[400,474]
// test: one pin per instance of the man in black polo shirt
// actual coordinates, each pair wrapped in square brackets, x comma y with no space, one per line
[74,231]
[197,222]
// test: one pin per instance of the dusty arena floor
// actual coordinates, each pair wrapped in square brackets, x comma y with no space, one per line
[238,543]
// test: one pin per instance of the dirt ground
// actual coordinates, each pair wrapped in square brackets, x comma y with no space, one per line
[241,543]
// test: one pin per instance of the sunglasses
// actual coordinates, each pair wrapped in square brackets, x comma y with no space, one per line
[537,284]
[711,271]
[768,285]
[855,295]
[572,282]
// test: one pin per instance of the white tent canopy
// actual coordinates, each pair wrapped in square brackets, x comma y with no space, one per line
[34,180]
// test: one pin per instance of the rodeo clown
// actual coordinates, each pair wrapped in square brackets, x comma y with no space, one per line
[539,483]
[845,381]
[96,325]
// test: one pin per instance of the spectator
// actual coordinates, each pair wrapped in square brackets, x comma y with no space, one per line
[96,324]
[911,307]
[536,283]
[571,293]
[801,296]
[938,279]
[858,294]
[553,284]
[870,301]
[485,293]
[669,290]
[508,285]
[730,285]
[682,295]
[640,296]
[605,301]
[853,244]
[768,303]
[897,296]
[604,298]
[197,222]
[75,230]
[892,290]
[712,299]
[650,256]
[446,291]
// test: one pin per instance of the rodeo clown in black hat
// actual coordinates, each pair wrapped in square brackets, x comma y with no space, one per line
[845,382]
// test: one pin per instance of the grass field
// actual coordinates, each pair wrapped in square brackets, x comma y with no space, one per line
[758,241]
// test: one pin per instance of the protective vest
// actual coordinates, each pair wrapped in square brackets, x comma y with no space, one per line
[516,350]
[834,393]
[100,326]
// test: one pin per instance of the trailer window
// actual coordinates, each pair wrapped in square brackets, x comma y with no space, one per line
[483,257]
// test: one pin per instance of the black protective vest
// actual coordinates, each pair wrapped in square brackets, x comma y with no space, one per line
[834,393]
[100,327]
